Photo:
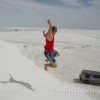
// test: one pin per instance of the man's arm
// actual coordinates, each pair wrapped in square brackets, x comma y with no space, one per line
[44,34]
[50,28]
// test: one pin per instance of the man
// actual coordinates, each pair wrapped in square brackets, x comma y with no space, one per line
[49,51]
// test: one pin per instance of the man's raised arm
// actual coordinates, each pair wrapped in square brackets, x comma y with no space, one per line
[50,28]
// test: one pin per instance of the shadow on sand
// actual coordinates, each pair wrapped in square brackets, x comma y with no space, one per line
[12,80]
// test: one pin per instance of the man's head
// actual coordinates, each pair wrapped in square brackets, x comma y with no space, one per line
[54,29]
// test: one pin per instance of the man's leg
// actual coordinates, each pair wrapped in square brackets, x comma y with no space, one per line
[55,54]
[46,60]
[52,61]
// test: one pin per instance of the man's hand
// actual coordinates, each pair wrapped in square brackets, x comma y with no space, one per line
[43,31]
[49,33]
[44,34]
[49,22]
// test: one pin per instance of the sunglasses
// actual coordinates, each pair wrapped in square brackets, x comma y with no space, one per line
[55,30]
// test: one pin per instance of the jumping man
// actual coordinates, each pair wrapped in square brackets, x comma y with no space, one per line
[49,51]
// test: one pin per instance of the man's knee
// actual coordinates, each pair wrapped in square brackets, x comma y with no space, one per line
[57,55]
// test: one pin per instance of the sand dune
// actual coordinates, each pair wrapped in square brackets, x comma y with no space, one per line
[77,51]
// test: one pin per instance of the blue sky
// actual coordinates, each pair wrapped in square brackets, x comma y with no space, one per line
[73,14]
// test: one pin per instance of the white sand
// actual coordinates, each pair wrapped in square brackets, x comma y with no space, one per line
[78,50]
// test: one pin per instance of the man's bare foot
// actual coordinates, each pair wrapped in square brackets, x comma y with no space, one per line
[45,67]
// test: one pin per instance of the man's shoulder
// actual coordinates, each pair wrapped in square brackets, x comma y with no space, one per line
[49,35]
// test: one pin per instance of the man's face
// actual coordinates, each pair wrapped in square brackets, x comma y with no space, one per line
[55,31]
